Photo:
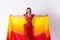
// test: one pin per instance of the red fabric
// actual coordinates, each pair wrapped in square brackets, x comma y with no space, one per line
[28,28]
[16,36]
[42,37]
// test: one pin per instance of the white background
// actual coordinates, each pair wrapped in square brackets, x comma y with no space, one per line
[18,7]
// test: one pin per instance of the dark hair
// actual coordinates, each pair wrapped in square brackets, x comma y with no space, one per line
[28,8]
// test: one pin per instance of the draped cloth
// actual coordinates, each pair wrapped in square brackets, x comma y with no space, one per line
[19,29]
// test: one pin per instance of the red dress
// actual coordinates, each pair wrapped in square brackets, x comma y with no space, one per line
[28,27]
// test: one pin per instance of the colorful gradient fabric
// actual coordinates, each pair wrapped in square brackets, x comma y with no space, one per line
[16,28]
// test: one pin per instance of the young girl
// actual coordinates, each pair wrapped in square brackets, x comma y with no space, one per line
[28,25]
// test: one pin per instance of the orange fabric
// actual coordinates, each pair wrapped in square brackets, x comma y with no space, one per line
[16,28]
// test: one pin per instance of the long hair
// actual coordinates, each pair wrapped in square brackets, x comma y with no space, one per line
[27,9]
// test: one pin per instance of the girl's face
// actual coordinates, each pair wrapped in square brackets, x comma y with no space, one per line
[28,11]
